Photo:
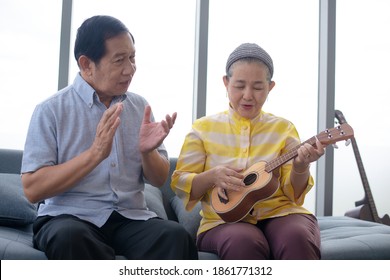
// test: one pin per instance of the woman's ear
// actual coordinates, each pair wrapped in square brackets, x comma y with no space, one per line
[271,85]
[225,80]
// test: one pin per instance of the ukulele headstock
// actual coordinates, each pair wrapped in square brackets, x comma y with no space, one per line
[336,134]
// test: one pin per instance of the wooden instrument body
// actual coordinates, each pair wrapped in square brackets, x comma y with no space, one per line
[241,202]
[363,212]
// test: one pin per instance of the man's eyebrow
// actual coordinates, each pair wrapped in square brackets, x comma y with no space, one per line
[119,54]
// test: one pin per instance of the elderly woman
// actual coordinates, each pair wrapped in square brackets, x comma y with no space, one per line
[219,150]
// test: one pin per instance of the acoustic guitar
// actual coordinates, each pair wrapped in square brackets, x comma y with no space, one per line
[365,208]
[256,178]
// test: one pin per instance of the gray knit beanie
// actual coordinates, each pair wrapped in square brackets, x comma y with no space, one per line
[249,50]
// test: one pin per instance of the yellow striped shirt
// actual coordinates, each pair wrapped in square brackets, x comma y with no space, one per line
[228,139]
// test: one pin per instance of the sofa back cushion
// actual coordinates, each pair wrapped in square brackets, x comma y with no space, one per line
[15,209]
[10,161]
[154,201]
[190,220]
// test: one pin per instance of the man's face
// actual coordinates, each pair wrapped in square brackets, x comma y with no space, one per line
[113,74]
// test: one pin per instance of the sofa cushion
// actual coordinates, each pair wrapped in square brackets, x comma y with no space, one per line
[348,238]
[190,220]
[16,244]
[154,201]
[15,209]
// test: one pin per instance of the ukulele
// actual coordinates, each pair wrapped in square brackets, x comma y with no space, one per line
[365,208]
[256,178]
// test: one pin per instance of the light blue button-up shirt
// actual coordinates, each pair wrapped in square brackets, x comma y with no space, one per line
[64,126]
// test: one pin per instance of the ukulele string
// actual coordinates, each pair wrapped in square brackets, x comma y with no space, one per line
[273,164]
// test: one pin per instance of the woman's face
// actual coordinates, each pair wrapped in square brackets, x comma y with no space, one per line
[248,87]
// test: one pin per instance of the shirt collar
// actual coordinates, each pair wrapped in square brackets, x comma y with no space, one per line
[237,118]
[88,94]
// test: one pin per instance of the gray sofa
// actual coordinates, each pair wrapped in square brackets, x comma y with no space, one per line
[342,237]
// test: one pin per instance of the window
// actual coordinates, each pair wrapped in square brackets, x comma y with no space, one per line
[29,55]
[363,95]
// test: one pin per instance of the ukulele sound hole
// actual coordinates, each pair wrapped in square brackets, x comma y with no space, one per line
[250,179]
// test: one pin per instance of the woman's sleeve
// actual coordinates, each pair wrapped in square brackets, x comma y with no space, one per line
[191,162]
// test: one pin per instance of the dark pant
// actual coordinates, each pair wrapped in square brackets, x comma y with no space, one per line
[292,237]
[68,237]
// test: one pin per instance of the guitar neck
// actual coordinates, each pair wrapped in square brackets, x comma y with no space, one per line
[368,198]
[275,163]
[368,195]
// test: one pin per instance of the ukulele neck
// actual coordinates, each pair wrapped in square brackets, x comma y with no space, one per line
[277,162]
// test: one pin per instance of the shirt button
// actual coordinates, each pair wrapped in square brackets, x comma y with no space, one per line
[113,164]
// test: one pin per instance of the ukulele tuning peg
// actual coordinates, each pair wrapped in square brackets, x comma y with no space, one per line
[335,146]
[347,142]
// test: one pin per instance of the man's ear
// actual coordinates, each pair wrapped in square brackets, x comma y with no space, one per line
[85,65]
